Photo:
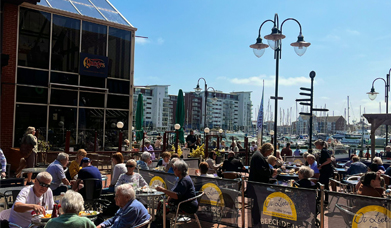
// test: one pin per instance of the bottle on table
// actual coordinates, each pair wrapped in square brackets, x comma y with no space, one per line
[55,211]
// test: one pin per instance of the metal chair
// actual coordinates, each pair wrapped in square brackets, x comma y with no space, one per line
[11,182]
[334,185]
[92,198]
[146,223]
[197,197]
[346,214]
[12,194]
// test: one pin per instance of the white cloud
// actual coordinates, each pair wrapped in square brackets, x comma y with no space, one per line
[160,41]
[270,81]
[140,40]
[353,32]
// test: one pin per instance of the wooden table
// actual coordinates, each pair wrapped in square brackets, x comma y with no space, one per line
[32,170]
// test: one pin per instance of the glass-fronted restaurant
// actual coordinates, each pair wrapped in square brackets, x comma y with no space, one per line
[74,72]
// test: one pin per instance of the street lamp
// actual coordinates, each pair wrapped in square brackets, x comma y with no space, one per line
[220,138]
[120,125]
[177,127]
[198,90]
[372,95]
[274,40]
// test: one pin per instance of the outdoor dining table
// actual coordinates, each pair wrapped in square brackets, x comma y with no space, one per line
[151,196]
[32,170]
[3,190]
[287,176]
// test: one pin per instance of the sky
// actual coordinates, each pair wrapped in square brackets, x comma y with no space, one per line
[350,47]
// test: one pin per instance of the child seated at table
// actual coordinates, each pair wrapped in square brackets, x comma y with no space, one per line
[305,173]
[272,162]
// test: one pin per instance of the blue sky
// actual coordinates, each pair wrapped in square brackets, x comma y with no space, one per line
[350,47]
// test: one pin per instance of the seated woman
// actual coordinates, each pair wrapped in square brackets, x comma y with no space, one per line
[119,167]
[182,190]
[212,162]
[74,167]
[203,170]
[279,160]
[165,160]
[370,185]
[170,165]
[272,162]
[135,179]
[305,173]
[72,203]
[379,163]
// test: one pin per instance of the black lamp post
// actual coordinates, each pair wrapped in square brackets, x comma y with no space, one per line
[372,95]
[274,40]
[198,90]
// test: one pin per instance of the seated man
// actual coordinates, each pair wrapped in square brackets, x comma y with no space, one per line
[145,161]
[313,165]
[232,164]
[357,166]
[56,169]
[87,171]
[131,212]
[35,198]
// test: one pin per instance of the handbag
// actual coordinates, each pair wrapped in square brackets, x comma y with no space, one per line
[26,149]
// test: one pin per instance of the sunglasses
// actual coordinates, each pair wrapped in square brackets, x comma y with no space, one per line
[129,166]
[43,184]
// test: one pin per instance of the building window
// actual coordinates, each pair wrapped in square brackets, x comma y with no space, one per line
[65,44]
[33,77]
[119,53]
[29,115]
[118,86]
[34,38]
[90,120]
[94,39]
[63,97]
[61,120]
[32,95]
[121,102]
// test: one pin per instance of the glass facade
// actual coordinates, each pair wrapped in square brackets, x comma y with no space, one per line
[53,97]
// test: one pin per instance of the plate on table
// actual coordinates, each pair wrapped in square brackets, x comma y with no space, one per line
[88,214]
[46,217]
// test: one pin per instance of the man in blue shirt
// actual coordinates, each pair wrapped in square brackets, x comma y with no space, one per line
[145,161]
[56,169]
[131,213]
[3,162]
[87,171]
[313,165]
[357,166]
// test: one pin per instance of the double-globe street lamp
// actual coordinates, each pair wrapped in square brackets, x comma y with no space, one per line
[372,95]
[274,40]
[198,90]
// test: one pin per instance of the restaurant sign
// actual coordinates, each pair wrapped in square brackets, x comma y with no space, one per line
[372,216]
[93,65]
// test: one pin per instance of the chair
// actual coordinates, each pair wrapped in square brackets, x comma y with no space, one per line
[346,215]
[386,179]
[92,194]
[10,194]
[197,197]
[11,182]
[8,169]
[334,185]
[145,224]
[231,175]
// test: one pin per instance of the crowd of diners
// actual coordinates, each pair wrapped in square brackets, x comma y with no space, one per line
[38,195]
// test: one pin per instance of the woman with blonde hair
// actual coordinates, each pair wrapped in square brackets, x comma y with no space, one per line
[379,163]
[74,167]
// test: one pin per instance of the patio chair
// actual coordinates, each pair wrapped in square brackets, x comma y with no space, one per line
[10,197]
[181,213]
[145,224]
[346,215]
[334,187]
[92,198]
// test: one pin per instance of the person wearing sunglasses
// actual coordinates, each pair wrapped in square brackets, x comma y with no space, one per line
[37,197]
[130,177]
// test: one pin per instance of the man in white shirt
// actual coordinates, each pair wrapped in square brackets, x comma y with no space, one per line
[37,198]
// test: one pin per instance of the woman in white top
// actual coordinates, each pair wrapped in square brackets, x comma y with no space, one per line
[118,168]
[203,168]
[135,179]
[212,162]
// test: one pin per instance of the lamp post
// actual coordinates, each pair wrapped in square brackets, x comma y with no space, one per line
[198,90]
[372,95]
[206,132]
[177,127]
[274,40]
[220,138]
[120,125]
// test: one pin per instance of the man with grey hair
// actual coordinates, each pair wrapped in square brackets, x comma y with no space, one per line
[35,198]
[72,203]
[56,169]
[145,161]
[131,212]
